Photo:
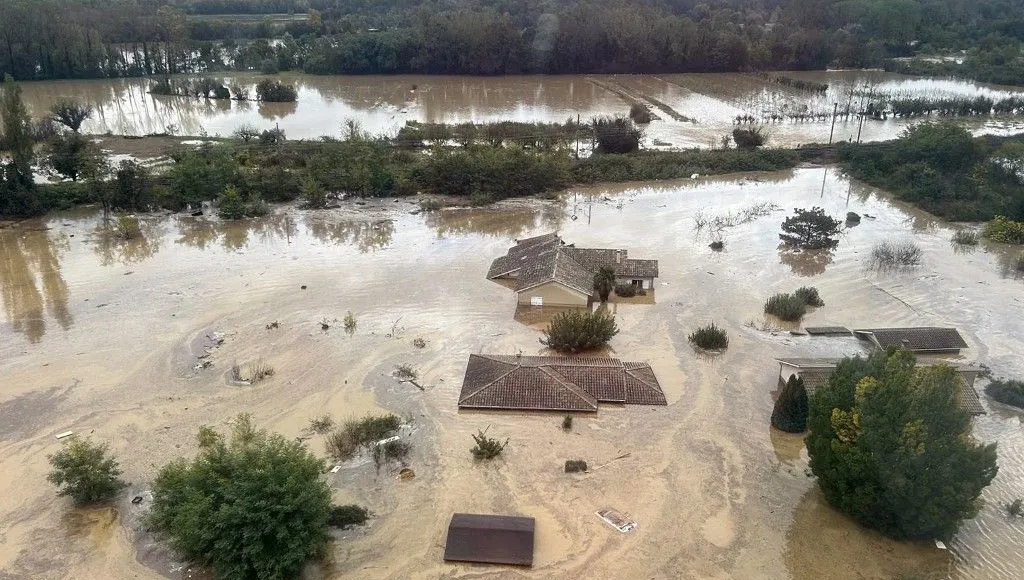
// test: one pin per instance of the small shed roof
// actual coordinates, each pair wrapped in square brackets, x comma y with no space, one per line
[490,539]
[914,339]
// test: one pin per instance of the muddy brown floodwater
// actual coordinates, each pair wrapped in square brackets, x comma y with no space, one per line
[693,110]
[100,337]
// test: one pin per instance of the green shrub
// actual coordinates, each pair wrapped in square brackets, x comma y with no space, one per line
[604,282]
[749,138]
[321,425]
[487,447]
[579,330]
[1015,508]
[625,290]
[616,135]
[567,422]
[640,113]
[84,471]
[717,245]
[230,205]
[710,337]
[253,506]
[1006,392]
[811,229]
[343,516]
[809,296]
[343,442]
[786,307]
[1004,230]
[790,412]
[385,453]
[272,91]
[965,237]
[575,465]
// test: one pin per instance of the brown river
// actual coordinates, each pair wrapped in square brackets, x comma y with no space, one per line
[101,337]
[693,110]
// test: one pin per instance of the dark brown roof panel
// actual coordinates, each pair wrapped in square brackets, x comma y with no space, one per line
[921,339]
[490,539]
[606,384]
[642,387]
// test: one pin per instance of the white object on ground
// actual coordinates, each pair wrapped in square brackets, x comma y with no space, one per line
[617,520]
[65,434]
[336,469]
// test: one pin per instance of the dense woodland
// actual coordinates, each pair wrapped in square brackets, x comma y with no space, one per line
[45,39]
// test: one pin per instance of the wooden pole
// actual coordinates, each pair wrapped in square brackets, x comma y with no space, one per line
[835,110]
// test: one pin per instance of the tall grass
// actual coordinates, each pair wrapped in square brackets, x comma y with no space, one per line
[965,237]
[710,337]
[786,307]
[889,254]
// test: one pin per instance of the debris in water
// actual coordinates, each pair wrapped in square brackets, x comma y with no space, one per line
[406,474]
[65,434]
[324,325]
[695,176]
[137,500]
[617,520]
[303,287]
[336,469]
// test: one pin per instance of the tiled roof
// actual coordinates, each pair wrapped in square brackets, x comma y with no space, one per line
[920,339]
[490,539]
[546,258]
[816,372]
[556,383]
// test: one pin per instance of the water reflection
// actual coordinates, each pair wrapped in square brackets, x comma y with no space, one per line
[201,232]
[501,220]
[1011,263]
[113,249]
[368,236]
[274,111]
[805,262]
[31,284]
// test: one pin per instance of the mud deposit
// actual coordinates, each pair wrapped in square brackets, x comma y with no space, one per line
[693,110]
[103,338]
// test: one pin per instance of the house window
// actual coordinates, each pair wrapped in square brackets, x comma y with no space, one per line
[638,283]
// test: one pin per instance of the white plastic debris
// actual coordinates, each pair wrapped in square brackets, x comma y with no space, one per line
[65,434]
[336,469]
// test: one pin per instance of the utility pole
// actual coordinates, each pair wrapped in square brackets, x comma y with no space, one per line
[835,110]
[577,134]
[861,126]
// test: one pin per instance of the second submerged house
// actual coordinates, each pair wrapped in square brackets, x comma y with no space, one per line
[547,272]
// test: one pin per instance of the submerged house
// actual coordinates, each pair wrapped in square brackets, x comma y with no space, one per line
[816,371]
[547,272]
[545,383]
[918,340]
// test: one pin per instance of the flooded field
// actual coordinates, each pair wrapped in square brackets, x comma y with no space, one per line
[693,110]
[101,337]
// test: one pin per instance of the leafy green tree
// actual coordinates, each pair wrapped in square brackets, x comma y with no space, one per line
[579,330]
[200,175]
[811,229]
[132,187]
[230,205]
[84,471]
[72,155]
[790,412]
[252,506]
[892,447]
[604,282]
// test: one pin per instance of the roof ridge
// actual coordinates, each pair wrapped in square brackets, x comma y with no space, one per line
[510,370]
[573,387]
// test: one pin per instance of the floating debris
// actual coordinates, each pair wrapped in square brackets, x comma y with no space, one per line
[617,520]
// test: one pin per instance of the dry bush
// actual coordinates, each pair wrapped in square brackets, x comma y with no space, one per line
[889,254]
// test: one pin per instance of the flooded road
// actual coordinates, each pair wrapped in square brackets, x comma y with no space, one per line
[100,337]
[693,110]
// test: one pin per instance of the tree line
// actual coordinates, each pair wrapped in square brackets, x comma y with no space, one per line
[41,39]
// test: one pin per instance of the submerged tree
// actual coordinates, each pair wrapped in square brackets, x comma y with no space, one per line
[84,471]
[811,229]
[892,447]
[790,412]
[604,282]
[16,140]
[70,113]
[252,506]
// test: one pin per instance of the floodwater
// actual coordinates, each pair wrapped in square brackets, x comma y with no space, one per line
[101,337]
[694,110]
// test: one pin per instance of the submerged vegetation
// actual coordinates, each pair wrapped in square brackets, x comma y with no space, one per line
[790,411]
[579,330]
[940,167]
[890,254]
[485,447]
[1006,392]
[710,337]
[356,434]
[891,447]
[1004,230]
[786,307]
[85,472]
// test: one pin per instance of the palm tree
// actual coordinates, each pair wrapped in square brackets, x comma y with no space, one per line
[604,282]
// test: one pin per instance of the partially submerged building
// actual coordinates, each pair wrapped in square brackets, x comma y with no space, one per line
[918,340]
[565,384]
[490,539]
[816,372]
[547,272]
